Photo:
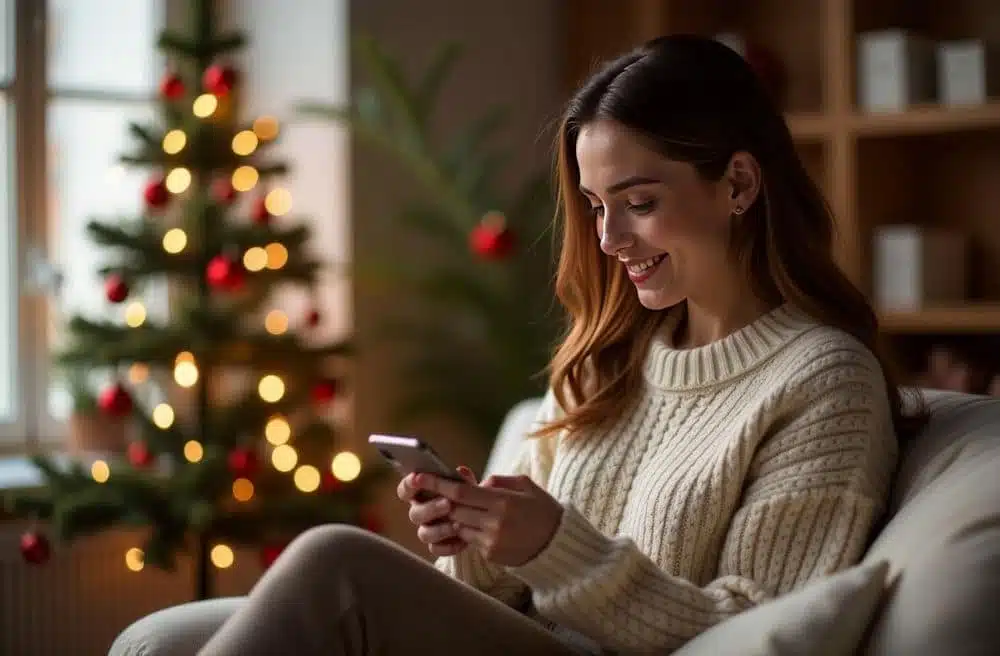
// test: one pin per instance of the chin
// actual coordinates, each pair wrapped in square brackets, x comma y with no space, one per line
[658,299]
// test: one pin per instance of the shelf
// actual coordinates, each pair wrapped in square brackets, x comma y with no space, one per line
[931,119]
[808,126]
[972,318]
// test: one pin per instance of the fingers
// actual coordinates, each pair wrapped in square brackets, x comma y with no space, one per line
[448,547]
[474,518]
[406,491]
[467,474]
[431,534]
[515,483]
[461,493]
[430,512]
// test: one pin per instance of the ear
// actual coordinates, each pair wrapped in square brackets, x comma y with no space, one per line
[744,177]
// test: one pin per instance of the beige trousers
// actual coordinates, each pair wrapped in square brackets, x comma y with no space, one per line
[338,590]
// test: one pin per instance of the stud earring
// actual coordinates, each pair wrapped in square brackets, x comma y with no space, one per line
[738,210]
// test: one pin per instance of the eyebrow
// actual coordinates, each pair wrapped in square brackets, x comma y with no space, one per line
[622,185]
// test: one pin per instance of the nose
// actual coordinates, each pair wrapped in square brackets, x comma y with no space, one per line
[613,236]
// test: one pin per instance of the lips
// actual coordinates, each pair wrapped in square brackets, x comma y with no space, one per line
[642,270]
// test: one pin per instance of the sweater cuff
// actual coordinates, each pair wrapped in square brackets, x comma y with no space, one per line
[576,547]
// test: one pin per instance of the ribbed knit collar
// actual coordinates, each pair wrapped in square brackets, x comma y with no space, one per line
[676,369]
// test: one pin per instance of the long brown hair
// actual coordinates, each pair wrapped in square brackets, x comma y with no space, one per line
[696,101]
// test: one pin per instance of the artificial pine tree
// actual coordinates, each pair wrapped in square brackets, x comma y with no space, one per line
[242,447]
[486,319]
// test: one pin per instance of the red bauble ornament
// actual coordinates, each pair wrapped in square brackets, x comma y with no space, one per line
[223,191]
[156,194]
[35,548]
[313,318]
[219,79]
[115,401]
[139,455]
[172,86]
[115,288]
[491,239]
[324,391]
[260,213]
[330,483]
[225,274]
[269,553]
[243,462]
[370,520]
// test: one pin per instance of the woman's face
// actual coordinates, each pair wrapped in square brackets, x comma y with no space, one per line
[667,226]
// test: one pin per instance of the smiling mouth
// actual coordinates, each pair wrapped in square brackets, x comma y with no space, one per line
[639,271]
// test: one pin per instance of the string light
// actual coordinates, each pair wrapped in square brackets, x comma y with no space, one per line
[271,388]
[163,416]
[193,451]
[174,142]
[255,259]
[284,458]
[178,180]
[100,471]
[277,431]
[184,356]
[345,466]
[276,322]
[135,314]
[186,373]
[135,559]
[266,128]
[222,556]
[138,373]
[277,255]
[306,478]
[245,178]
[205,105]
[278,201]
[245,142]
[242,489]
[174,241]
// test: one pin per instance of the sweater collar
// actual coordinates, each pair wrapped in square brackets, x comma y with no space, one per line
[674,369]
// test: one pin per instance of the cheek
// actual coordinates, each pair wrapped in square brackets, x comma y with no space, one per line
[691,216]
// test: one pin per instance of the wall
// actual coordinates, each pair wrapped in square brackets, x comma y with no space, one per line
[512,56]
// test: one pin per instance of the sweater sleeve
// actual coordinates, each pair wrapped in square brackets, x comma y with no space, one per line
[813,489]
[534,459]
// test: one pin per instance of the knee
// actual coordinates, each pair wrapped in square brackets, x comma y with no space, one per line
[330,543]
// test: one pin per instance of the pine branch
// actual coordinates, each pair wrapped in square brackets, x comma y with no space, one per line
[177,45]
[433,79]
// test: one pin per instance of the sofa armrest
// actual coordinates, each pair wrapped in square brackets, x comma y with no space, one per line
[175,631]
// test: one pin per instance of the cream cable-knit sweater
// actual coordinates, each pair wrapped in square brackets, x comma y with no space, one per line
[748,467]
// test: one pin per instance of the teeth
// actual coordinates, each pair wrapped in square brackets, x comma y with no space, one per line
[639,267]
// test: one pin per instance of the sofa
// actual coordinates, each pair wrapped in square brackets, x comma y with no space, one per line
[941,540]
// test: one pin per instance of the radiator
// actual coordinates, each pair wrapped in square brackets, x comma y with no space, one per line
[84,596]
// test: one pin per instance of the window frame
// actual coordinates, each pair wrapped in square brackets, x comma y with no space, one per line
[29,94]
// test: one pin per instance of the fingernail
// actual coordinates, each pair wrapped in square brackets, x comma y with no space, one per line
[418,479]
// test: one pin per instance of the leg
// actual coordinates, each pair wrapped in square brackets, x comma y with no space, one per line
[341,591]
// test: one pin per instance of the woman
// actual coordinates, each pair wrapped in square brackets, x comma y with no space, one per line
[719,429]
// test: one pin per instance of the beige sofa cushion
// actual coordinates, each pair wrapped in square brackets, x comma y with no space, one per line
[943,542]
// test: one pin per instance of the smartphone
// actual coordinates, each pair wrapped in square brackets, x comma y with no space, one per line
[410,455]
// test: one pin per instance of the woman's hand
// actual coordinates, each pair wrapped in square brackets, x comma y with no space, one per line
[508,519]
[430,515]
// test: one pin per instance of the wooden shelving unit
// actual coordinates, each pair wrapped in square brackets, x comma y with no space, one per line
[931,165]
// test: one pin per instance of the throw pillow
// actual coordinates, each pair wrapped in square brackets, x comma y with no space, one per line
[827,617]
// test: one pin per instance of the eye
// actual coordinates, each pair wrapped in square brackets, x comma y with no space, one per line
[642,208]
[597,210]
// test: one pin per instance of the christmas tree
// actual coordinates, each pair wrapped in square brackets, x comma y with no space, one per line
[483,323]
[241,446]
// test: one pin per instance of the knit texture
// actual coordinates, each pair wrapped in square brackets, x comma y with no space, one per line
[746,468]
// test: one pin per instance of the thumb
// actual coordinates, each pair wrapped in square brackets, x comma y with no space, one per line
[515,483]
[467,474]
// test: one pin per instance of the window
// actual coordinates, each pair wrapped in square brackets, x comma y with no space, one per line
[71,93]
